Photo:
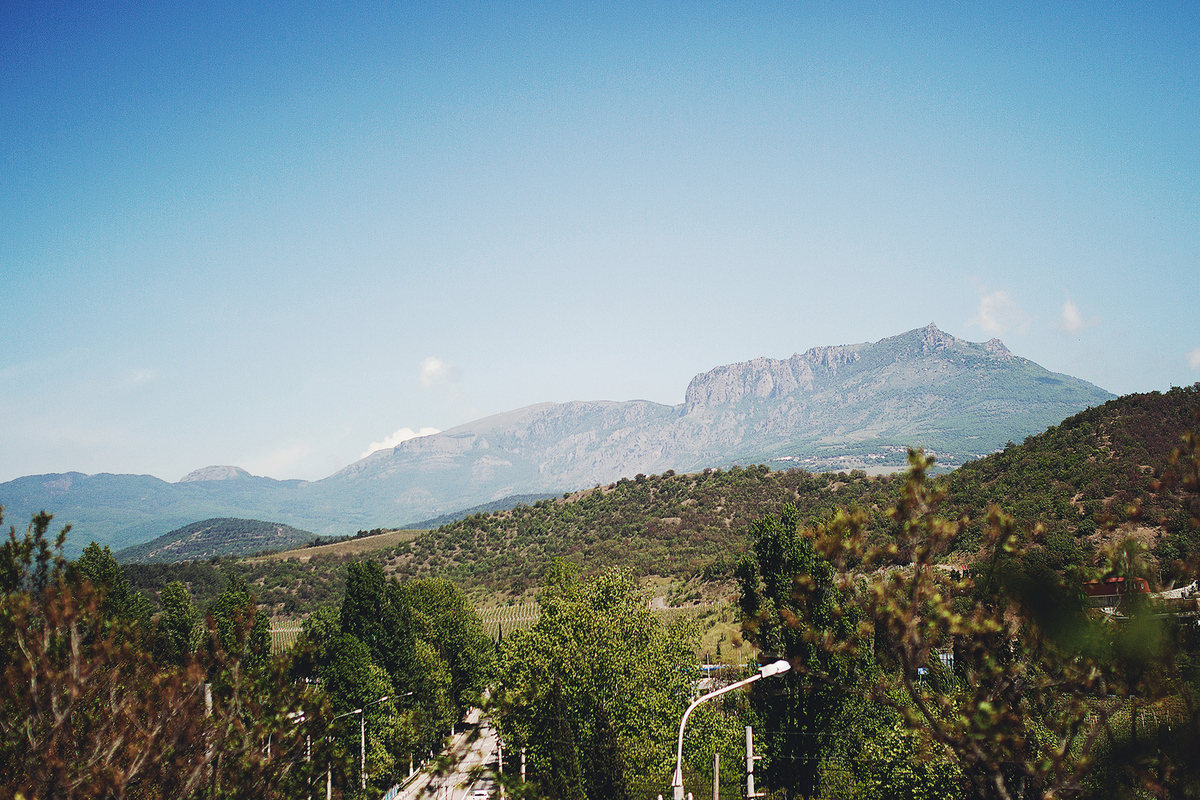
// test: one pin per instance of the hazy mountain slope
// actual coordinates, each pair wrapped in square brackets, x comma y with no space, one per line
[216,537]
[124,510]
[869,401]
[828,408]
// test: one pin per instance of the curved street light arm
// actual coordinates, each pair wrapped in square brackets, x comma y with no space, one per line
[767,671]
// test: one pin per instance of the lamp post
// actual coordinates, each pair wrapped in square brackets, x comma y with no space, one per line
[329,769]
[362,742]
[362,746]
[776,668]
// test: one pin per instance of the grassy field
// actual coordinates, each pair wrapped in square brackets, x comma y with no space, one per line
[720,640]
[351,547]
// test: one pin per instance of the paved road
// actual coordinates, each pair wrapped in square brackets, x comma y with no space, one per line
[468,755]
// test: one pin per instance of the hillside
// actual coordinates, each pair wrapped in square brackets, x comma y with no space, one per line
[1102,472]
[1094,472]
[830,408]
[485,508]
[216,537]
[846,407]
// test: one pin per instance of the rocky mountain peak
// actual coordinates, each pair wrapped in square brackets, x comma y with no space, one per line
[222,473]
[830,357]
[997,348]
[934,340]
[760,377]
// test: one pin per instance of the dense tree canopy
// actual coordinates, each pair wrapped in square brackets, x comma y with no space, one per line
[420,645]
[595,689]
[796,716]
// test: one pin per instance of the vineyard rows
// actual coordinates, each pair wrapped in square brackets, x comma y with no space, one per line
[283,639]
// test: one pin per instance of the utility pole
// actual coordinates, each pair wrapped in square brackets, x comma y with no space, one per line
[750,759]
[500,764]
[716,776]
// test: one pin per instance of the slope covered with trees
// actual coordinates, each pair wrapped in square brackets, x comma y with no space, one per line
[224,536]
[1105,469]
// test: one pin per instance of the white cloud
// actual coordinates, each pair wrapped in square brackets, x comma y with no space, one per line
[997,313]
[279,463]
[434,370]
[1071,319]
[1194,358]
[404,434]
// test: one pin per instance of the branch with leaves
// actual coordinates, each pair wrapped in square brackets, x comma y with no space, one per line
[1040,681]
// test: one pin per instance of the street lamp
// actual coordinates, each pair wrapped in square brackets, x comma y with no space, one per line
[776,668]
[362,746]
[362,741]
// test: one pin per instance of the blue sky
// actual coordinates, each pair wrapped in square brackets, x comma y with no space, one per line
[272,235]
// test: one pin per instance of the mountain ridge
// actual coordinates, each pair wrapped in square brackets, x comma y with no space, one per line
[839,406]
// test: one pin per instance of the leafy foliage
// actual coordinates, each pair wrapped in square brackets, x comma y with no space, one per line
[595,689]
[796,716]
[89,710]
[1038,679]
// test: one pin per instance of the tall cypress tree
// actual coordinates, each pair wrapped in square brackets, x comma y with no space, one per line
[782,579]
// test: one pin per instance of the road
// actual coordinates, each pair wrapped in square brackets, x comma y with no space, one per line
[470,753]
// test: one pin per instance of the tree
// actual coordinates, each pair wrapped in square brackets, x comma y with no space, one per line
[374,612]
[237,627]
[88,712]
[97,565]
[1047,696]
[423,638]
[796,714]
[445,620]
[595,689]
[177,624]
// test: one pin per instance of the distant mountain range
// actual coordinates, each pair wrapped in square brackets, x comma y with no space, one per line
[843,407]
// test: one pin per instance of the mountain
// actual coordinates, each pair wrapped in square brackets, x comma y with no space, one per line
[839,407]
[124,510]
[216,537]
[1098,476]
